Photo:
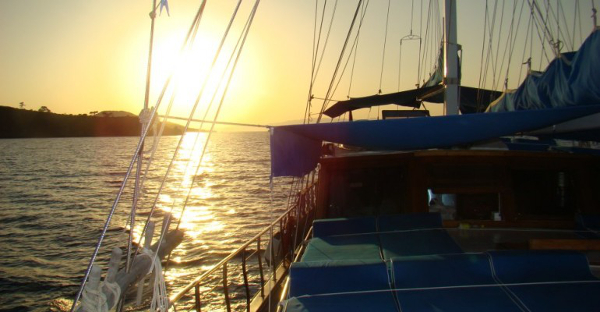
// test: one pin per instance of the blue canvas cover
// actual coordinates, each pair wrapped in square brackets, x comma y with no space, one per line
[572,79]
[295,149]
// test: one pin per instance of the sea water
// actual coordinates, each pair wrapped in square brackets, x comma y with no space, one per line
[55,195]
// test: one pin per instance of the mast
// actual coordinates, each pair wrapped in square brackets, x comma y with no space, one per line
[451,47]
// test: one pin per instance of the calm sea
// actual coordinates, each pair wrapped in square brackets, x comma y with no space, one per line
[55,195]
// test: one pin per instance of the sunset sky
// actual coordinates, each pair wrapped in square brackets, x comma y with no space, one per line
[77,56]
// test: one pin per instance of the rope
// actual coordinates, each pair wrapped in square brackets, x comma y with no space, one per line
[328,94]
[387,22]
[355,48]
[169,167]
[186,127]
[242,38]
[160,299]
[316,67]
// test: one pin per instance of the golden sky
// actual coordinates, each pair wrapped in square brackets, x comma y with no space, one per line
[77,56]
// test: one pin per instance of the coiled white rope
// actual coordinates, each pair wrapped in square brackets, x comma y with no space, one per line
[160,298]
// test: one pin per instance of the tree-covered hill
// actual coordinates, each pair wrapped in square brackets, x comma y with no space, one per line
[21,123]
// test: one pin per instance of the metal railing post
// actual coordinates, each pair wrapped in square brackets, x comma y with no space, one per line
[245,274]
[226,288]
[197,298]
[260,268]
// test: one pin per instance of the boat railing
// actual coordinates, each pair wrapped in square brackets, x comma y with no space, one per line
[249,270]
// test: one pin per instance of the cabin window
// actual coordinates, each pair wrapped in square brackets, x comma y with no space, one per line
[543,193]
[363,192]
[459,206]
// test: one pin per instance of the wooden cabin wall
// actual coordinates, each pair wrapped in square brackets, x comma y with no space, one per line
[521,186]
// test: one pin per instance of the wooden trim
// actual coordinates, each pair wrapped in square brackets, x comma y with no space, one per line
[565,244]
[531,224]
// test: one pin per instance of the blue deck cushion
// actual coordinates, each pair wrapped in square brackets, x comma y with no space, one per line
[345,247]
[417,243]
[442,271]
[588,226]
[540,266]
[567,283]
[432,220]
[475,299]
[323,277]
[570,296]
[382,301]
[458,282]
[343,226]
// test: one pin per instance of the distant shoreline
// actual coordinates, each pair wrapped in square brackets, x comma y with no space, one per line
[21,123]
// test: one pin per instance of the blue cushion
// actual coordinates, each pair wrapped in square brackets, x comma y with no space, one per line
[403,222]
[476,299]
[358,247]
[442,270]
[588,225]
[559,297]
[540,266]
[343,226]
[372,301]
[322,277]
[417,243]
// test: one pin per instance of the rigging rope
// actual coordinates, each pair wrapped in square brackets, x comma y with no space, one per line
[176,152]
[355,48]
[387,21]
[160,298]
[235,50]
[329,94]
[318,67]
[410,36]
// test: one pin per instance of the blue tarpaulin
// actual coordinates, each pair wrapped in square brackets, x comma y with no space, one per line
[570,80]
[295,149]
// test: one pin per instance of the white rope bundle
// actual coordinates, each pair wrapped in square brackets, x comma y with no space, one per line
[160,299]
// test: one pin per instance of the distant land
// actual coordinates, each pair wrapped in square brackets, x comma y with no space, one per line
[22,123]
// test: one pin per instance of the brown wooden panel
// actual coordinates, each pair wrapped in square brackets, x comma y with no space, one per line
[565,244]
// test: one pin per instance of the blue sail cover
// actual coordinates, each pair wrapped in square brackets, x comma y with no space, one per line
[570,80]
[295,149]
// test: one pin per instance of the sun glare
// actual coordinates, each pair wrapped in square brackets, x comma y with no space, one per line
[196,77]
